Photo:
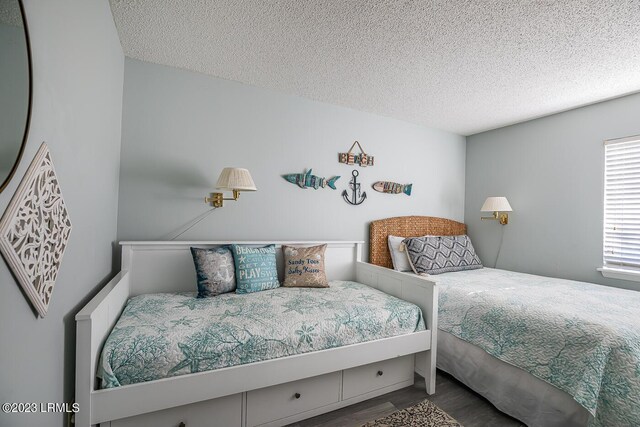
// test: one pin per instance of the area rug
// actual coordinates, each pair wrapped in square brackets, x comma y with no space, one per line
[424,414]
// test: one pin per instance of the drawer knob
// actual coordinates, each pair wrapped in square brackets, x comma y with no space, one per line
[380,373]
[297,395]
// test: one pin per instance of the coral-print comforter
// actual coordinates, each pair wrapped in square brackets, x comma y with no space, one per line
[580,337]
[169,334]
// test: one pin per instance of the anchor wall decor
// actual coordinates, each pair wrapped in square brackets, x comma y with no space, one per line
[357,196]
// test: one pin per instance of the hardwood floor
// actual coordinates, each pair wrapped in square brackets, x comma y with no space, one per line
[469,408]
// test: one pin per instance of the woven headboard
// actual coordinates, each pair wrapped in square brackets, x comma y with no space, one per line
[406,226]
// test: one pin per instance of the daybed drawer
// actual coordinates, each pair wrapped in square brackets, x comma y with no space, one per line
[284,400]
[222,412]
[363,379]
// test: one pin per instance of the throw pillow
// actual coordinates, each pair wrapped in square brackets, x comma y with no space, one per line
[399,257]
[215,270]
[255,268]
[304,267]
[441,254]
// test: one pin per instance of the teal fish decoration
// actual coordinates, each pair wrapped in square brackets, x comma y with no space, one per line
[306,180]
[392,187]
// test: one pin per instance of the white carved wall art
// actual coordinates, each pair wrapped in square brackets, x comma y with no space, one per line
[34,230]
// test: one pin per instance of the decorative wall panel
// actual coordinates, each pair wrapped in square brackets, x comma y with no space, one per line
[35,229]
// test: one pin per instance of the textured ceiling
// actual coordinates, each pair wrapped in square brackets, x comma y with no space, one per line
[461,66]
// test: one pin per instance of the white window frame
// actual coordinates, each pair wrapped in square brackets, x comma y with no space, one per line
[611,268]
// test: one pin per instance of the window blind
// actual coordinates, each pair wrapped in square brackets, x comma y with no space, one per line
[622,203]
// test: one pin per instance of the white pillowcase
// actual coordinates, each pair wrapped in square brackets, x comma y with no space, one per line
[399,256]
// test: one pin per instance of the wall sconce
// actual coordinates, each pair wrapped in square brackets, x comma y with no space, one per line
[497,205]
[233,179]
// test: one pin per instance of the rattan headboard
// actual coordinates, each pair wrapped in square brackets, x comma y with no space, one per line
[406,226]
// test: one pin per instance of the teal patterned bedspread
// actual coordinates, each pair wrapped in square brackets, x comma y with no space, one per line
[169,334]
[580,337]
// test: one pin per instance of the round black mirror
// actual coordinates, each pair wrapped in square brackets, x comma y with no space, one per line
[15,87]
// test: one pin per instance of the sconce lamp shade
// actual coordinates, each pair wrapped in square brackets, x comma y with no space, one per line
[236,179]
[496,204]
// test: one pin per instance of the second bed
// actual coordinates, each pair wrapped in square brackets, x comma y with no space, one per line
[547,351]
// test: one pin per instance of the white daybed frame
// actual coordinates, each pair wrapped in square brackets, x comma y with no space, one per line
[149,267]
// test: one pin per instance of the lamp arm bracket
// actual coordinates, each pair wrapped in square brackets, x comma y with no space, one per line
[216,199]
[495,216]
[503,218]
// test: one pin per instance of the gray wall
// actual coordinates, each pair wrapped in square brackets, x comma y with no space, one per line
[181,128]
[551,170]
[78,77]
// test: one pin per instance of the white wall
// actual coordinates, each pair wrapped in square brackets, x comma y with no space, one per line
[78,77]
[181,128]
[551,170]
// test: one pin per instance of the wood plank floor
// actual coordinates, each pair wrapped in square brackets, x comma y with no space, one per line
[469,408]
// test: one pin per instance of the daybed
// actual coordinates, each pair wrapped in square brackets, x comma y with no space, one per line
[547,351]
[258,391]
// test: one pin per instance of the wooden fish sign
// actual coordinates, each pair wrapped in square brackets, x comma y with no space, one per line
[392,187]
[306,180]
[362,159]
[357,197]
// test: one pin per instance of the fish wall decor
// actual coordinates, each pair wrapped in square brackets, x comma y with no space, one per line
[307,180]
[392,187]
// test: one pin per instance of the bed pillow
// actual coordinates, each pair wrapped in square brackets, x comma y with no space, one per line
[399,257]
[304,267]
[255,268]
[441,254]
[215,270]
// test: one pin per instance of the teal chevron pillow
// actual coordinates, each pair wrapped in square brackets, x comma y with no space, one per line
[255,268]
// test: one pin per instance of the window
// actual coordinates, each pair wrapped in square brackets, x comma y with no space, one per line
[621,249]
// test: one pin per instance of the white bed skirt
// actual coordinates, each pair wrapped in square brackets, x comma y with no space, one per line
[510,389]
